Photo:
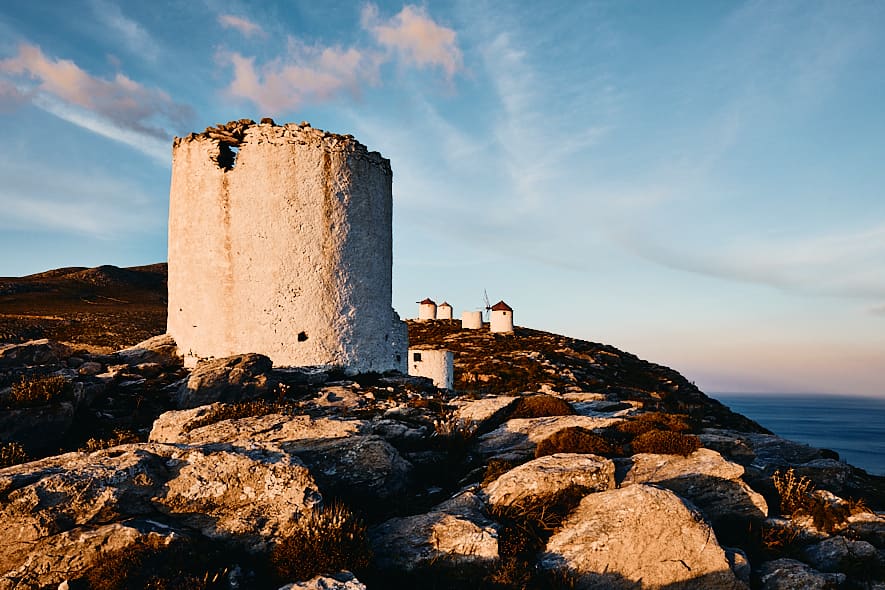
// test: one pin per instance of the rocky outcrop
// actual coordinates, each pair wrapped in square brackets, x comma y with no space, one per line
[454,535]
[789,574]
[837,554]
[710,482]
[33,352]
[341,581]
[38,429]
[246,496]
[639,535]
[183,426]
[231,379]
[160,350]
[542,480]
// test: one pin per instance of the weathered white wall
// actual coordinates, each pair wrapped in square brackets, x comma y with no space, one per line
[444,312]
[471,320]
[437,364]
[501,321]
[427,311]
[295,239]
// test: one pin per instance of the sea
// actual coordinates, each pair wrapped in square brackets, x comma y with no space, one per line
[854,427]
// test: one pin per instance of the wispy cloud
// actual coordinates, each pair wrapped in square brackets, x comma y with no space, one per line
[316,73]
[36,197]
[241,24]
[117,108]
[305,74]
[136,37]
[415,37]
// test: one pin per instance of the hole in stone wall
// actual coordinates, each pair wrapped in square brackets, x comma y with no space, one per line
[227,155]
[302,336]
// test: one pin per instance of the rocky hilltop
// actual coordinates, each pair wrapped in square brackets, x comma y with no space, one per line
[554,463]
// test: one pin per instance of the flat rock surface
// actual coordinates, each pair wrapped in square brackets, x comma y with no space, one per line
[520,436]
[789,574]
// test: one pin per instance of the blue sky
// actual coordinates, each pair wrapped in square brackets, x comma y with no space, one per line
[699,183]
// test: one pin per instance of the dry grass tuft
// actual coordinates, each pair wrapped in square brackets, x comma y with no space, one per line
[12,453]
[794,491]
[248,409]
[665,442]
[541,405]
[36,391]
[159,565]
[119,437]
[575,440]
[655,421]
[326,540]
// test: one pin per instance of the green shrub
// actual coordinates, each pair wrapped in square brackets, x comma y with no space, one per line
[158,564]
[655,421]
[12,453]
[325,540]
[538,406]
[665,442]
[575,440]
[36,391]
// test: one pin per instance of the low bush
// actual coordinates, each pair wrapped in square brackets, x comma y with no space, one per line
[541,405]
[248,409]
[12,453]
[118,437]
[655,421]
[495,468]
[36,391]
[793,491]
[325,540]
[575,440]
[158,564]
[665,442]
[798,498]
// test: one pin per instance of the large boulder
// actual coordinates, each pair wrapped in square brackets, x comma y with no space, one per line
[243,495]
[710,482]
[363,468]
[517,439]
[246,494]
[789,574]
[53,560]
[455,534]
[231,379]
[183,426]
[639,536]
[160,350]
[840,554]
[544,479]
[33,352]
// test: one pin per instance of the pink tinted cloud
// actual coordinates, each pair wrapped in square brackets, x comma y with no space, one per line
[121,100]
[415,38]
[306,74]
[246,27]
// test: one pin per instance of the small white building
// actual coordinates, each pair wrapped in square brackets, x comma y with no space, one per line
[434,363]
[471,320]
[444,311]
[501,318]
[427,310]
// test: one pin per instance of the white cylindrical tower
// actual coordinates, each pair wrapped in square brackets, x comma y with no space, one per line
[427,309]
[444,311]
[471,320]
[501,318]
[283,248]
[437,364]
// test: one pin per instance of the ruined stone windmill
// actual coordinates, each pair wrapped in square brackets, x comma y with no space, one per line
[280,242]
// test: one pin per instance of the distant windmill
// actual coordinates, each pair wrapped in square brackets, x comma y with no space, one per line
[488,306]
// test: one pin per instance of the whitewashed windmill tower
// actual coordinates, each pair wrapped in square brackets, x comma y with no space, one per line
[501,318]
[427,309]
[283,247]
[444,311]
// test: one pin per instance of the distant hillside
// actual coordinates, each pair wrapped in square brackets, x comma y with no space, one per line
[104,307]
